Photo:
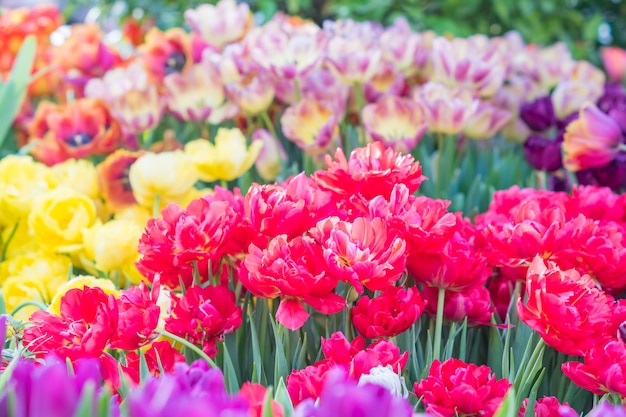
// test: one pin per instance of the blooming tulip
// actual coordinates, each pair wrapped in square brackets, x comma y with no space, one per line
[592,140]
[227,160]
[398,123]
[447,111]
[614,60]
[221,24]
[310,124]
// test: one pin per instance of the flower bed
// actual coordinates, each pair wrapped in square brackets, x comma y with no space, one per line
[287,220]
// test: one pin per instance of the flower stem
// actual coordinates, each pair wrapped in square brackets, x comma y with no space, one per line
[157,206]
[268,123]
[188,345]
[297,90]
[359,99]
[33,303]
[439,323]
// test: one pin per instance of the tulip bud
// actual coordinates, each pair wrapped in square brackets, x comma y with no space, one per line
[386,377]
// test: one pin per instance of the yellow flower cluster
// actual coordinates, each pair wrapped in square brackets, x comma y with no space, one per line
[76,216]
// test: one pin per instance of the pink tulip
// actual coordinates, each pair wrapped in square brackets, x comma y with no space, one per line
[311,125]
[221,24]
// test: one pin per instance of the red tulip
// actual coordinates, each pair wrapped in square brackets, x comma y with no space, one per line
[565,308]
[455,388]
[294,271]
[389,314]
[204,316]
[603,370]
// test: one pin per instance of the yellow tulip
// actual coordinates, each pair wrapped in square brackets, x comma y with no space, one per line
[168,175]
[59,217]
[227,160]
[17,290]
[79,174]
[114,244]
[21,181]
[48,269]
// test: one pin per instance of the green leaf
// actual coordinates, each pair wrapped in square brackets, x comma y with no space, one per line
[257,359]
[496,351]
[230,375]
[267,404]
[144,372]
[85,409]
[280,361]
[282,397]
[124,389]
[12,92]
[508,408]
[3,304]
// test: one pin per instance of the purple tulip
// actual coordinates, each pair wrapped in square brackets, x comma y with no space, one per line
[543,153]
[191,391]
[539,114]
[613,103]
[342,397]
[48,389]
[606,409]
[3,333]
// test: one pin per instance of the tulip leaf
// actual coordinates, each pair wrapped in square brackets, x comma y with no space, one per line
[267,404]
[85,408]
[13,91]
[509,407]
[230,375]
[282,397]
[257,359]
[123,389]
[144,372]
[280,360]
[3,304]
[496,351]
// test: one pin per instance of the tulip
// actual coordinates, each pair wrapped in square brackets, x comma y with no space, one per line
[341,396]
[447,111]
[224,23]
[353,60]
[404,48]
[486,121]
[133,101]
[397,122]
[311,125]
[457,388]
[253,93]
[559,301]
[287,56]
[458,62]
[543,154]
[194,94]
[165,53]
[538,114]
[322,86]
[227,160]
[168,176]
[271,156]
[614,60]
[590,141]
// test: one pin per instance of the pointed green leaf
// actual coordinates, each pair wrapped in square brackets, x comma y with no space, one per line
[257,359]
[280,360]
[144,372]
[230,375]
[282,397]
[12,92]
[508,408]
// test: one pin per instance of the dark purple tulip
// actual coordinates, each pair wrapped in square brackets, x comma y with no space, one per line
[539,114]
[558,183]
[562,123]
[613,103]
[542,153]
[342,397]
[612,175]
